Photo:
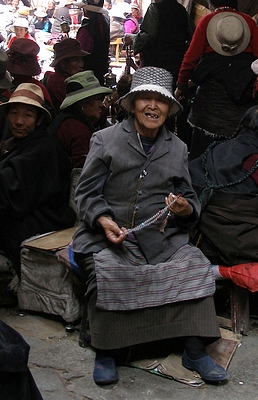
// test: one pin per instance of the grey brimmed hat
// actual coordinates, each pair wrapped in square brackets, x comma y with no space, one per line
[80,86]
[152,79]
[228,33]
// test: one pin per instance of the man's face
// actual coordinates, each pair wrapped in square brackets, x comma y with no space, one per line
[23,119]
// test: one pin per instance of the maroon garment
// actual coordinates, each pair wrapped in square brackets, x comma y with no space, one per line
[249,163]
[54,82]
[75,136]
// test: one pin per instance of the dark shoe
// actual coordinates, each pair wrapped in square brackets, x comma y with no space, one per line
[206,368]
[105,371]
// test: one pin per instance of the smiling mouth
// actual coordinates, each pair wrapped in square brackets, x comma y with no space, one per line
[152,116]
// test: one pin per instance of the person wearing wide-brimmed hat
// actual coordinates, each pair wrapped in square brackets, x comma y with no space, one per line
[41,20]
[135,201]
[68,60]
[34,174]
[61,15]
[20,28]
[24,67]
[218,61]
[80,113]
[94,37]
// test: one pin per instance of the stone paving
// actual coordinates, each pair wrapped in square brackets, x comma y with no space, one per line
[63,370]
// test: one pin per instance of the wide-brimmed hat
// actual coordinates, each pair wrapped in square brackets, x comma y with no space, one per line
[67,48]
[81,86]
[27,93]
[152,79]
[22,22]
[24,11]
[22,57]
[92,5]
[228,33]
[40,12]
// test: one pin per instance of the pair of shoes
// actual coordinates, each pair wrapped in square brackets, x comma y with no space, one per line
[206,368]
[105,371]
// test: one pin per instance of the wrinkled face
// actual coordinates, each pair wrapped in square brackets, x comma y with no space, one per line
[23,119]
[91,107]
[150,110]
[72,65]
[20,32]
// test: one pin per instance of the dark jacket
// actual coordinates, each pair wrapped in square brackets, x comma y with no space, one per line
[34,191]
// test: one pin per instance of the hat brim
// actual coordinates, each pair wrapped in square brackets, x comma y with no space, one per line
[126,103]
[89,7]
[21,99]
[73,97]
[216,44]
[78,53]
[6,82]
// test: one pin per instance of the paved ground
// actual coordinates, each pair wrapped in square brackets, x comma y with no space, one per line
[63,370]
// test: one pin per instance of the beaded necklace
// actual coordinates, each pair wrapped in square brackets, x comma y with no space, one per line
[154,218]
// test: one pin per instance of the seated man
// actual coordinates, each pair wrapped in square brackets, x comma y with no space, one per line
[34,174]
[226,177]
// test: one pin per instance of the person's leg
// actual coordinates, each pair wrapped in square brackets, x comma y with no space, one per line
[195,358]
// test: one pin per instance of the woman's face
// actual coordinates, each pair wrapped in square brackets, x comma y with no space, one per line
[23,119]
[20,32]
[150,110]
[91,107]
[72,65]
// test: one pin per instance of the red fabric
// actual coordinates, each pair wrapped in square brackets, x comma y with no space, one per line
[199,45]
[244,275]
[249,163]
[27,36]
[55,83]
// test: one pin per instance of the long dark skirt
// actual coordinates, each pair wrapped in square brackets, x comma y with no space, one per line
[114,330]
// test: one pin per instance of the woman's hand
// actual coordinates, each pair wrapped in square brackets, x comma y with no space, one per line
[180,207]
[112,231]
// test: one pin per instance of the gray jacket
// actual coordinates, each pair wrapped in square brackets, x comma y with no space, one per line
[119,179]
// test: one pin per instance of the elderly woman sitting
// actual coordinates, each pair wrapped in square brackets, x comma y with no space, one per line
[146,283]
[34,174]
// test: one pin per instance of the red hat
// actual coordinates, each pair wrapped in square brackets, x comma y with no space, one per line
[67,48]
[22,57]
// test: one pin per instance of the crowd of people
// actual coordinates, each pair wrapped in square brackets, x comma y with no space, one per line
[137,200]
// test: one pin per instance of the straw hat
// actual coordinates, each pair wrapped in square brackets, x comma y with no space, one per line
[228,33]
[24,11]
[67,48]
[22,57]
[81,86]
[152,79]
[28,93]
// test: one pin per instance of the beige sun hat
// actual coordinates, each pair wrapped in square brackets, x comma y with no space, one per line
[152,79]
[81,86]
[228,33]
[28,93]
